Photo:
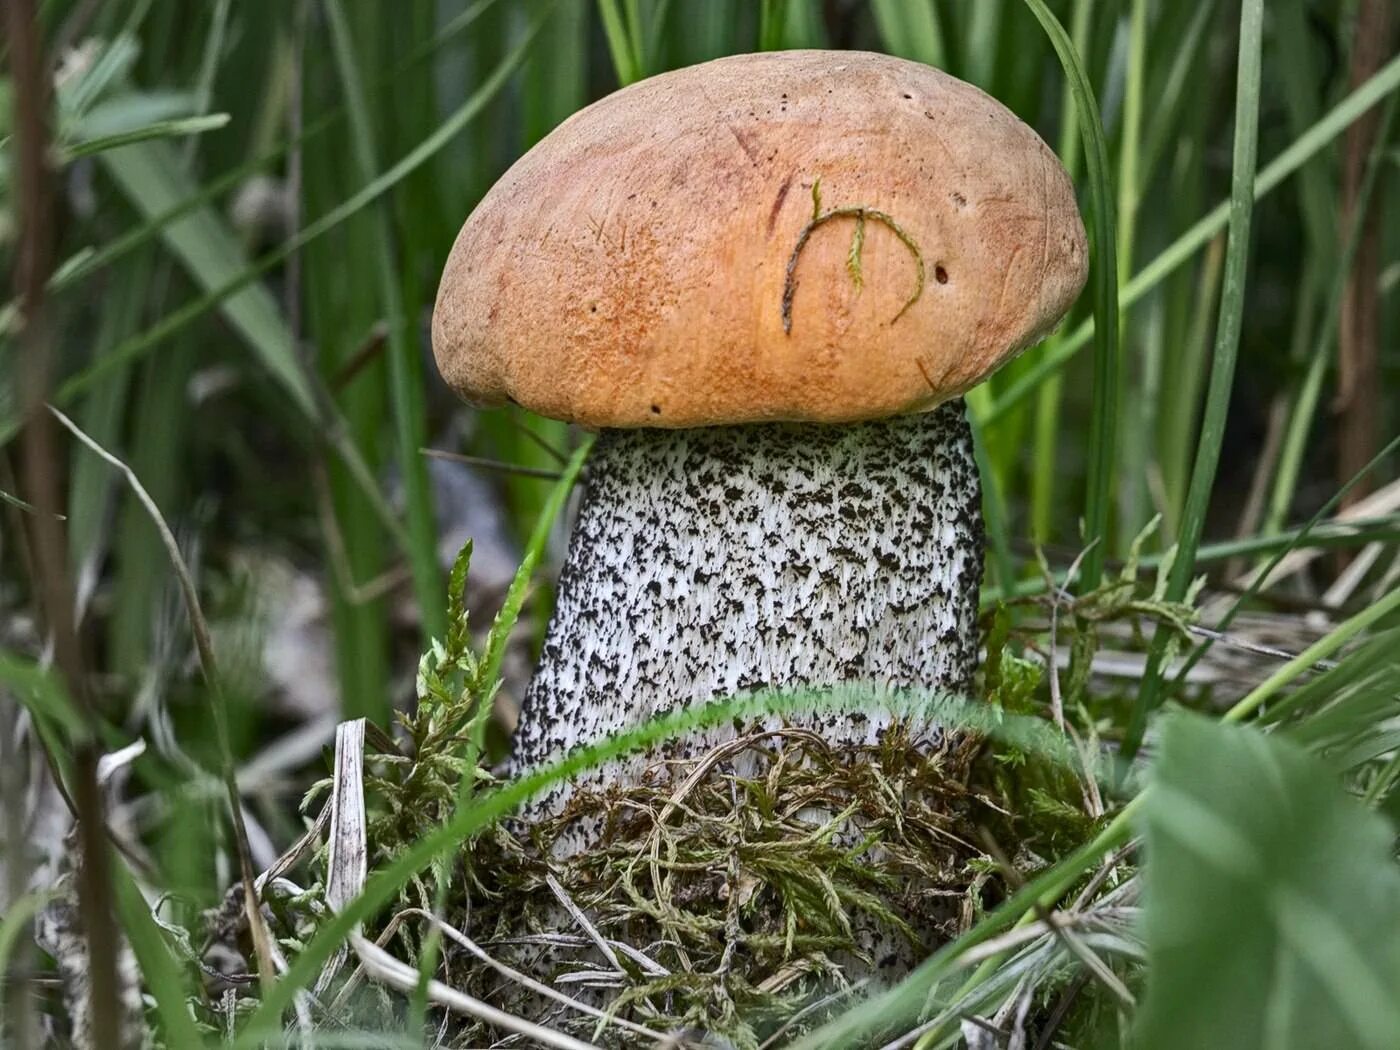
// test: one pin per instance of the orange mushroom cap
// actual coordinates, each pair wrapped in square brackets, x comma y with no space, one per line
[821,236]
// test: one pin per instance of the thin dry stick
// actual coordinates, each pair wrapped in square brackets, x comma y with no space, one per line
[1350,577]
[1014,938]
[492,464]
[386,969]
[1243,644]
[346,860]
[297,851]
[540,988]
[356,593]
[1089,787]
[199,628]
[556,940]
[372,346]
[1255,502]
[1014,1010]
[1061,1010]
[31,181]
[559,457]
[587,927]
[357,975]
[1387,582]
[1378,504]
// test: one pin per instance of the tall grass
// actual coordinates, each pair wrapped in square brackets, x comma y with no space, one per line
[1227,344]
[256,201]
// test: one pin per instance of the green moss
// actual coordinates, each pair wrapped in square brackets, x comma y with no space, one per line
[853,256]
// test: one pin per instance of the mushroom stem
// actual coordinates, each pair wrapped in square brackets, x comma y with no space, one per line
[712,561]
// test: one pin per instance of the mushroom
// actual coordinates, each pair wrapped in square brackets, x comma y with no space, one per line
[767,280]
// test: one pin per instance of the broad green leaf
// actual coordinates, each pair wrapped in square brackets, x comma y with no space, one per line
[1272,901]
[151,175]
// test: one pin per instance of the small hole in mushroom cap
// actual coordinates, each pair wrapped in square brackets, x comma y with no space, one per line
[908,96]
[593,308]
[940,274]
[656,410]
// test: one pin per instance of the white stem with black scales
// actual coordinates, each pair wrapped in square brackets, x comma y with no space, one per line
[712,561]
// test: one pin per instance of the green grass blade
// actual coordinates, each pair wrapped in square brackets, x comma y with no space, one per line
[636,34]
[1136,449]
[140,576]
[1167,103]
[1187,375]
[983,43]
[534,553]
[994,512]
[1324,648]
[1103,424]
[772,18]
[162,129]
[910,29]
[1222,373]
[625,60]
[90,485]
[340,298]
[492,658]
[805,27]
[405,361]
[1301,90]
[14,926]
[19,504]
[111,66]
[1044,483]
[165,978]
